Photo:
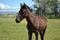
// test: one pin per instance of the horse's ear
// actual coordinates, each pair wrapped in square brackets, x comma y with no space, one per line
[21,4]
[24,4]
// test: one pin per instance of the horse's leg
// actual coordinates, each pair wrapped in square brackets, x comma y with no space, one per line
[36,34]
[44,30]
[42,34]
[30,35]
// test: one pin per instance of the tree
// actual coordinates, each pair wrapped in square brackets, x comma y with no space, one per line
[44,7]
[53,5]
[40,6]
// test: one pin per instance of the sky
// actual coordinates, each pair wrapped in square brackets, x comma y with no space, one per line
[13,5]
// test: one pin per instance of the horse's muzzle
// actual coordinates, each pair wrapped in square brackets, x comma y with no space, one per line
[17,21]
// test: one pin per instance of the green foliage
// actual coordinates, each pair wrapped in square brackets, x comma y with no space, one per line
[40,6]
[53,17]
[46,7]
[53,5]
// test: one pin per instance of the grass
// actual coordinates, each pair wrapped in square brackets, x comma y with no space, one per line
[10,30]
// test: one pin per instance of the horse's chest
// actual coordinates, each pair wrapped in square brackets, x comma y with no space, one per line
[31,27]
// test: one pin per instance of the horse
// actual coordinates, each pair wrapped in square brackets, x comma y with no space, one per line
[35,24]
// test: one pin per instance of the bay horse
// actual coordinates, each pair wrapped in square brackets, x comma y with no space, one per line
[35,24]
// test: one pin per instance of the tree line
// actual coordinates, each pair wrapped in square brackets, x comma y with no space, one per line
[46,7]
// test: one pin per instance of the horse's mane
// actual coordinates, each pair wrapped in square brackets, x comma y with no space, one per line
[29,8]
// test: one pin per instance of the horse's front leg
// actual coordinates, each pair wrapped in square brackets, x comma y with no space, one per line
[30,35]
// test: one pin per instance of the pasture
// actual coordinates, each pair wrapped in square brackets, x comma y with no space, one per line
[10,30]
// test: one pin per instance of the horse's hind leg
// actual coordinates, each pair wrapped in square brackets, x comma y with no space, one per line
[42,34]
[30,35]
[36,34]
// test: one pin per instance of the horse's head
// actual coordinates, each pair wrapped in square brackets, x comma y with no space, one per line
[22,13]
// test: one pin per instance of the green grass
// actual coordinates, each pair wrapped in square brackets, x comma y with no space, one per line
[10,30]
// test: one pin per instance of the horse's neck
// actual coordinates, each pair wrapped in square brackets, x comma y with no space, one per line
[30,17]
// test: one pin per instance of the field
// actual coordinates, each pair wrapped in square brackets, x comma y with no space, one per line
[10,30]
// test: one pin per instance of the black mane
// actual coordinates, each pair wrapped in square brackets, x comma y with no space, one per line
[29,8]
